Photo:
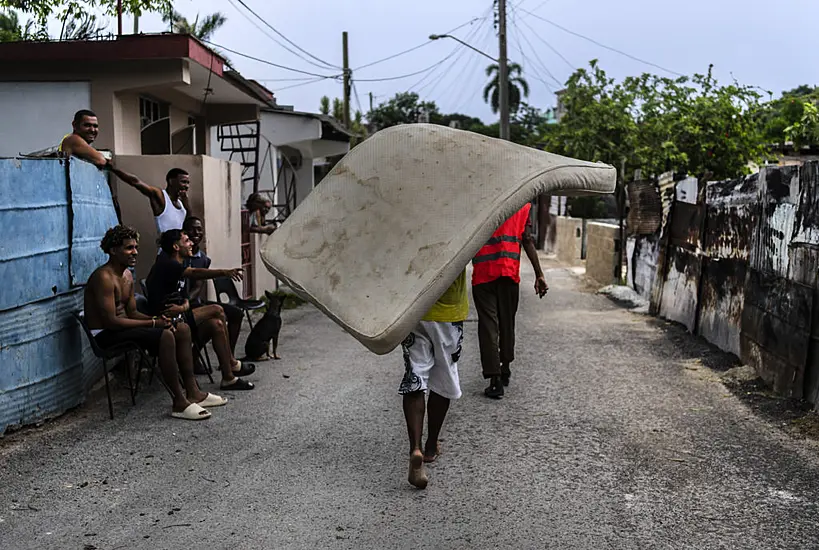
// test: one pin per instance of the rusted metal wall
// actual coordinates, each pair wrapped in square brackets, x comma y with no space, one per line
[731,209]
[738,263]
[777,312]
[683,266]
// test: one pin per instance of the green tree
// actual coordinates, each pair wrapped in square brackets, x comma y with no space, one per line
[805,131]
[404,108]
[779,114]
[41,10]
[686,125]
[518,87]
[10,28]
[357,125]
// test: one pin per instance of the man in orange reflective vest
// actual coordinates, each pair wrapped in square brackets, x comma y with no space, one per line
[495,289]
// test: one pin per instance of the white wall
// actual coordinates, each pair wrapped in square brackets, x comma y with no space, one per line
[36,115]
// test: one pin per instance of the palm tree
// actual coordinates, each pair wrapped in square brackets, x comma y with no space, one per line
[203,30]
[518,87]
[80,27]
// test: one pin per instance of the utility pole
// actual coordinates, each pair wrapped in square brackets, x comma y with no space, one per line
[503,72]
[346,80]
[371,102]
[119,18]
[136,24]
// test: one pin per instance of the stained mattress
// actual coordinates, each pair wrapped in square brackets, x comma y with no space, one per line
[381,238]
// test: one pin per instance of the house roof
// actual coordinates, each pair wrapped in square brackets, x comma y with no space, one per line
[332,128]
[142,47]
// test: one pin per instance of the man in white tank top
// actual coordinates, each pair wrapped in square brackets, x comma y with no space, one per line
[170,205]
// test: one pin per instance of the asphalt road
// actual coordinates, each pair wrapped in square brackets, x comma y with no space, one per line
[612,435]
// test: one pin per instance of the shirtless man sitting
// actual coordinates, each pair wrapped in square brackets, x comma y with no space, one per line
[111,314]
[78,143]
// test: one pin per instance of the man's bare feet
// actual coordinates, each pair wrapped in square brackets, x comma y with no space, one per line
[417,475]
[431,453]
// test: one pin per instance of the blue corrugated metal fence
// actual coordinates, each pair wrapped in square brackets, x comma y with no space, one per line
[51,221]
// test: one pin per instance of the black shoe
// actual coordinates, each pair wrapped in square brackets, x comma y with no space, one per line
[505,379]
[495,389]
[239,385]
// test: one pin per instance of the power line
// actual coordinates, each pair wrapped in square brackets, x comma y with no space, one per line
[311,81]
[357,98]
[246,56]
[271,27]
[560,55]
[539,5]
[476,61]
[431,67]
[593,41]
[532,66]
[283,79]
[465,67]
[460,50]
[274,39]
[534,51]
[419,46]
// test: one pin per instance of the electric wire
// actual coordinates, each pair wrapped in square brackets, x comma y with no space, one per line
[593,41]
[253,58]
[271,27]
[274,39]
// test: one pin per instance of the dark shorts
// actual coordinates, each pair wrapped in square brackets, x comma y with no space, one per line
[146,338]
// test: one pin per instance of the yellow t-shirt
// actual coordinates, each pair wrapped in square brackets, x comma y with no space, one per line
[453,306]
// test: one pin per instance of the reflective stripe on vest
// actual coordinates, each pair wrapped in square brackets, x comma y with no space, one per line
[500,256]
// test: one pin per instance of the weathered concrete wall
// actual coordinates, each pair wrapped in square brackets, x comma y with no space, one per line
[569,240]
[601,252]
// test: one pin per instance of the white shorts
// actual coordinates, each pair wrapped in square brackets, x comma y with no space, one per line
[431,354]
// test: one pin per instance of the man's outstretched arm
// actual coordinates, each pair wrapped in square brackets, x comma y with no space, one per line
[198,273]
[76,146]
[154,194]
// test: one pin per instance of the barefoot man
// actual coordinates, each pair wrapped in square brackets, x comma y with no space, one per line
[431,354]
[111,314]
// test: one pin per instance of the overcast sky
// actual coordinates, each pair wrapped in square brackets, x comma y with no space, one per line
[767,44]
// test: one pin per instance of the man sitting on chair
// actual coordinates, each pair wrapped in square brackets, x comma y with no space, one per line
[167,295]
[196,288]
[112,316]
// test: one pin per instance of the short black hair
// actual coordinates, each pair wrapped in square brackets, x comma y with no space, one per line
[174,173]
[82,113]
[189,221]
[115,236]
[168,239]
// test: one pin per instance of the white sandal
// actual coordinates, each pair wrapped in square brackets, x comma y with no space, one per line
[192,412]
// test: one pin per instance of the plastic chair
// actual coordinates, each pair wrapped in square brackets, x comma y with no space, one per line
[106,354]
[224,285]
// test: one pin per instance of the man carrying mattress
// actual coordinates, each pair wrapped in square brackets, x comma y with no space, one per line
[431,354]
[495,289]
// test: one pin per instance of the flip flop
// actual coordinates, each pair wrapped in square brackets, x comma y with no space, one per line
[192,412]
[238,385]
[213,400]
